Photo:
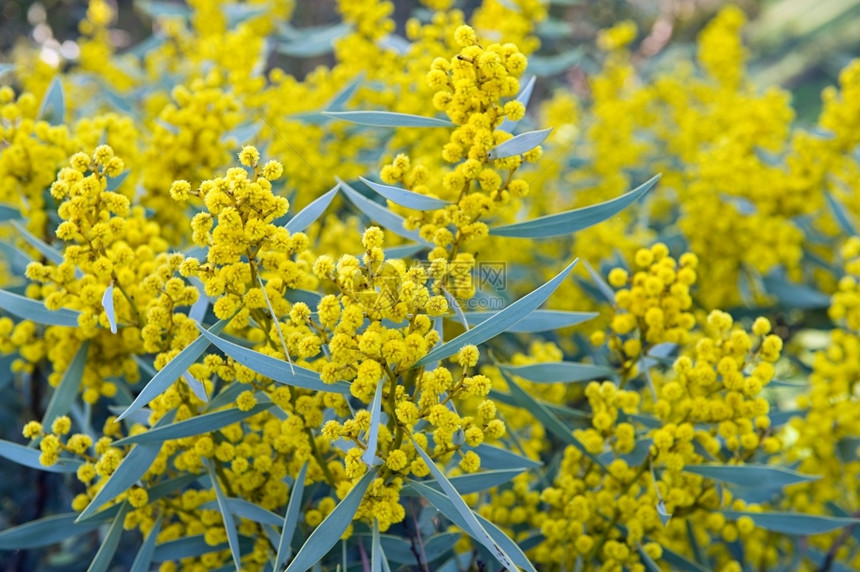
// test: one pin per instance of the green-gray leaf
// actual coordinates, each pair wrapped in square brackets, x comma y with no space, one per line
[559,372]
[29,457]
[571,221]
[65,393]
[793,523]
[35,311]
[519,144]
[375,211]
[406,198]
[291,518]
[43,532]
[756,476]
[101,561]
[276,369]
[500,322]
[332,528]
[143,560]
[537,321]
[306,217]
[227,516]
[388,119]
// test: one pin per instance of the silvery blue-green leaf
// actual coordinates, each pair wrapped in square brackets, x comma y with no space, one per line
[194,426]
[102,560]
[500,322]
[519,144]
[6,68]
[795,295]
[387,119]
[664,515]
[330,530]
[157,8]
[605,289]
[476,482]
[398,550]
[242,133]
[49,252]
[237,13]
[313,42]
[792,522]
[458,311]
[172,371]
[552,423]
[227,517]
[523,97]
[143,560]
[53,109]
[499,542]
[647,561]
[130,469]
[312,299]
[678,562]
[571,221]
[113,183]
[375,211]
[377,556]
[555,64]
[764,476]
[245,509]
[43,532]
[494,458]
[15,258]
[369,455]
[195,386]
[344,94]
[559,372]
[29,457]
[35,310]
[276,369]
[65,393]
[467,517]
[194,546]
[406,198]
[404,251]
[553,28]
[173,129]
[308,215]
[291,518]
[107,304]
[8,212]
[841,215]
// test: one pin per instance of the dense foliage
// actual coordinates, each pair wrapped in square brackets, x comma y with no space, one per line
[268,322]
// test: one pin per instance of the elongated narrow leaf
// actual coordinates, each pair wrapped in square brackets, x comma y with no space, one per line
[330,530]
[792,522]
[344,94]
[8,212]
[35,311]
[50,253]
[793,295]
[377,556]
[276,369]
[493,458]
[446,504]
[195,386]
[369,455]
[53,109]
[107,304]
[29,457]
[172,371]
[102,560]
[601,284]
[387,119]
[163,9]
[65,393]
[194,426]
[559,372]
[523,97]
[306,217]
[537,321]
[130,469]
[43,532]
[379,213]
[519,144]
[291,518]
[6,68]
[227,517]
[317,41]
[472,526]
[246,509]
[755,476]
[194,546]
[552,423]
[678,562]
[113,183]
[242,134]
[571,221]
[500,322]
[841,215]
[143,560]
[476,482]
[406,198]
